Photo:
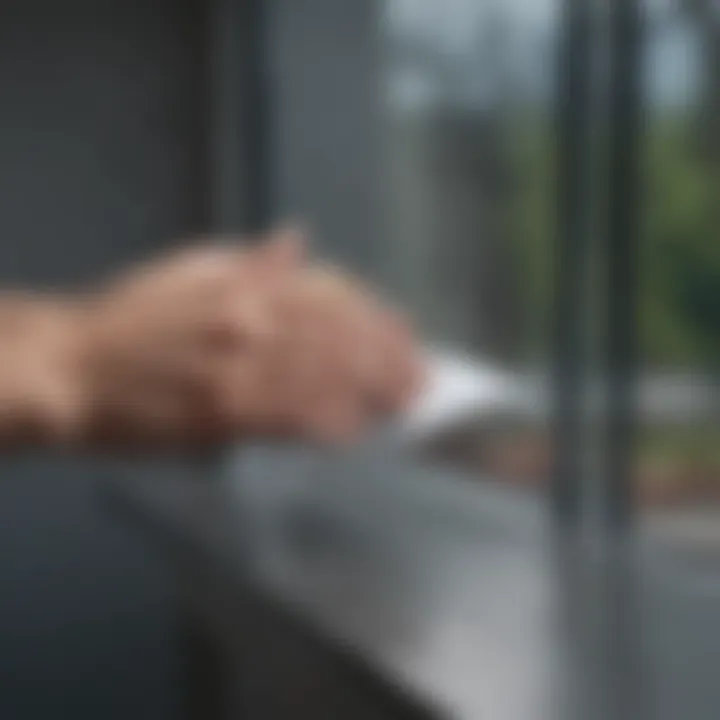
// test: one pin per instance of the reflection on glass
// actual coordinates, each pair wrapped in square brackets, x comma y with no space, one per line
[678,462]
[468,91]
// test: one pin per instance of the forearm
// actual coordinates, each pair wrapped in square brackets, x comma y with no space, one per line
[199,349]
[37,398]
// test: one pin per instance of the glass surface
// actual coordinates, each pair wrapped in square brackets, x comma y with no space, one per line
[677,469]
[468,92]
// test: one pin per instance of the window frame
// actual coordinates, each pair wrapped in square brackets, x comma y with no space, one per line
[247,188]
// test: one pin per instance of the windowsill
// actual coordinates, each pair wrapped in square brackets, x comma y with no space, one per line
[454,592]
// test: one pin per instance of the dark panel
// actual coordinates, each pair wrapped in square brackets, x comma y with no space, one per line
[103,160]
[328,122]
[103,111]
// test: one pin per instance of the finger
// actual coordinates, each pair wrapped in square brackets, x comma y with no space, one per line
[282,253]
[337,417]
[242,319]
[201,264]
[401,373]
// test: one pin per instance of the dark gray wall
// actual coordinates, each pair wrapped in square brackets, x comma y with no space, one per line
[328,123]
[102,159]
[99,132]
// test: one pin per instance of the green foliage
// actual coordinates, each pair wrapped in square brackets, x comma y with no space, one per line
[531,220]
[680,249]
[680,293]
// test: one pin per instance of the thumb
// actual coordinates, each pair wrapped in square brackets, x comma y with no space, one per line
[283,252]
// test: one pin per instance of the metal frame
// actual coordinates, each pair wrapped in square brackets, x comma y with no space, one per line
[245,73]
[622,261]
[257,128]
[574,170]
[243,127]
[619,326]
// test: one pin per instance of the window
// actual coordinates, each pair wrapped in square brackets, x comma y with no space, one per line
[468,90]
[435,146]
[677,469]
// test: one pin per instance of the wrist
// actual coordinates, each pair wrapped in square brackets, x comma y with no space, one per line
[41,386]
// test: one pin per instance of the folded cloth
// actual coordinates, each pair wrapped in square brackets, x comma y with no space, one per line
[460,390]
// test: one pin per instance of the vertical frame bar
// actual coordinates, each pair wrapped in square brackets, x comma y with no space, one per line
[574,162]
[622,260]
[242,129]
[242,116]
[256,128]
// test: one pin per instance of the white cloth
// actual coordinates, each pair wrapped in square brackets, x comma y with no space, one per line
[460,389]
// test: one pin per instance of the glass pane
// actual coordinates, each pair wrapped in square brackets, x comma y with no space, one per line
[468,92]
[678,463]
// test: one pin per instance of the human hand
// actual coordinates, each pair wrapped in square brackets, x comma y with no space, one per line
[222,343]
[339,360]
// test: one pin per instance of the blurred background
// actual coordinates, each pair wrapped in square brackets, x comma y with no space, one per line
[537,181]
[477,200]
[474,95]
